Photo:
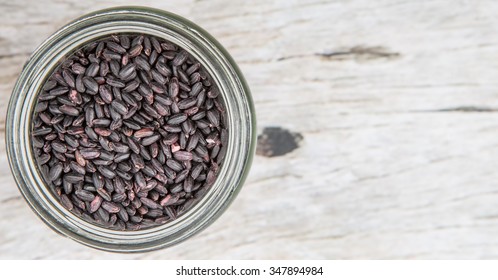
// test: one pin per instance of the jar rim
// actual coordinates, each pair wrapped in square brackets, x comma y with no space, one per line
[196,41]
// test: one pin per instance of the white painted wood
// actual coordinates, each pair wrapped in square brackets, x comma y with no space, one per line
[396,102]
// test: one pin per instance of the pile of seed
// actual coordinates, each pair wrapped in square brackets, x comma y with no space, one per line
[129,132]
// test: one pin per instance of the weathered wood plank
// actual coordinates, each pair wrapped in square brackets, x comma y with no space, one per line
[397,105]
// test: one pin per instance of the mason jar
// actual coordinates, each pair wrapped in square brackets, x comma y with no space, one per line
[240,122]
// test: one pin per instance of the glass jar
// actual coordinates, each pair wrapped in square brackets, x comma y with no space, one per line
[187,35]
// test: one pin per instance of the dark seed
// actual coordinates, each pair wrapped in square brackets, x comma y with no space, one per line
[77,168]
[123,215]
[175,165]
[196,171]
[135,51]
[91,85]
[59,147]
[196,89]
[99,49]
[106,172]
[131,86]
[140,180]
[115,82]
[66,202]
[180,58]
[73,178]
[115,47]
[104,194]
[95,204]
[110,207]
[168,200]
[181,176]
[42,131]
[127,71]
[84,195]
[170,212]
[187,103]
[110,55]
[68,78]
[119,197]
[177,119]
[69,110]
[55,172]
[150,140]
[92,70]
[50,84]
[158,77]
[89,153]
[154,213]
[163,69]
[144,132]
[125,41]
[188,184]
[105,93]
[58,91]
[213,117]
[173,87]
[133,146]
[104,68]
[102,131]
[43,158]
[182,155]
[142,63]
[150,203]
[103,215]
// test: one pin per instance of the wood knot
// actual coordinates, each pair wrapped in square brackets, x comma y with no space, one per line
[277,141]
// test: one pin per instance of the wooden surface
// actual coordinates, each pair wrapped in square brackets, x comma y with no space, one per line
[396,102]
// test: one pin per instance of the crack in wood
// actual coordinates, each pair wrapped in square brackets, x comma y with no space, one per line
[360,53]
[468,109]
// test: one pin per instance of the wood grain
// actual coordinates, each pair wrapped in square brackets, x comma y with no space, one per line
[397,105]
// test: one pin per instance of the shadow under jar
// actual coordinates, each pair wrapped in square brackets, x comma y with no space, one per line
[130,129]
